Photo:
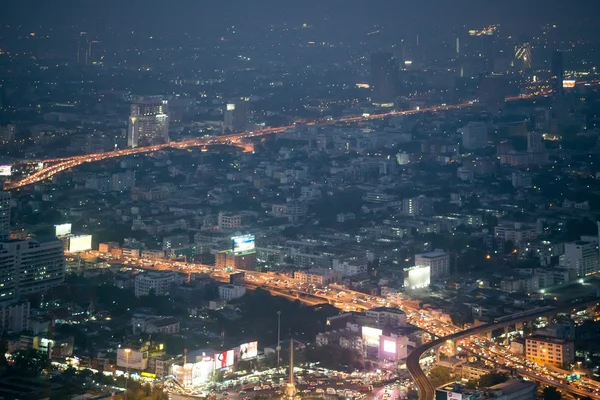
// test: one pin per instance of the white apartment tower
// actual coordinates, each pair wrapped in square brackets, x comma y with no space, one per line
[148,123]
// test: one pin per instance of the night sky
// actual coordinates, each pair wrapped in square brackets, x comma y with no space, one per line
[516,16]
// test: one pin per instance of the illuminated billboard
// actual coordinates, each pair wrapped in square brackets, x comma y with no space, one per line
[203,370]
[132,359]
[454,396]
[80,243]
[248,350]
[371,335]
[5,170]
[389,346]
[224,359]
[243,243]
[62,230]
[569,83]
[417,277]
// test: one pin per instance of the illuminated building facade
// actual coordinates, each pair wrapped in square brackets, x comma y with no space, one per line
[148,123]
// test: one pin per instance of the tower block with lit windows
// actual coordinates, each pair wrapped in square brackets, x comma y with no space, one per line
[291,393]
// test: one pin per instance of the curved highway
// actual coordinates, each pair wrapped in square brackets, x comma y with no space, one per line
[62,164]
[426,389]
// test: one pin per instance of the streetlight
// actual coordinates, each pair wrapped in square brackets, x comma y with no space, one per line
[278,348]
[127,351]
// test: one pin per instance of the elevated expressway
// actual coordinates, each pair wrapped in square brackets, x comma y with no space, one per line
[427,391]
[54,166]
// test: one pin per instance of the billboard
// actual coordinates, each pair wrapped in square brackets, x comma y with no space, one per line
[371,335]
[80,243]
[203,370]
[389,346]
[417,277]
[62,230]
[243,243]
[131,359]
[248,350]
[5,170]
[454,396]
[224,359]
[569,83]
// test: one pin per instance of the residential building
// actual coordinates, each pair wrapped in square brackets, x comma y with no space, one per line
[159,282]
[580,256]
[231,292]
[227,221]
[474,135]
[438,261]
[550,351]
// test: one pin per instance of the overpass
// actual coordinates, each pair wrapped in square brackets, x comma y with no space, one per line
[426,389]
[62,164]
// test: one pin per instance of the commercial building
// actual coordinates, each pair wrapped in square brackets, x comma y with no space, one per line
[231,292]
[474,135]
[558,74]
[148,123]
[236,260]
[438,261]
[160,282]
[155,324]
[317,277]
[386,316]
[384,79]
[550,351]
[235,117]
[581,257]
[30,266]
[350,267]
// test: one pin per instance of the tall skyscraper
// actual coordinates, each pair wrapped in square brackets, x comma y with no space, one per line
[83,48]
[384,79]
[558,74]
[148,123]
[4,215]
[235,117]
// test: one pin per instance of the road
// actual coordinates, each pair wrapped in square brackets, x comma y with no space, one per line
[427,391]
[349,300]
[54,166]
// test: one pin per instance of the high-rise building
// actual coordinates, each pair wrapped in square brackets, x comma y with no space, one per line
[438,262]
[83,48]
[474,135]
[558,74]
[384,79]
[148,123]
[30,266]
[235,117]
[493,90]
[4,215]
[580,256]
[7,134]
